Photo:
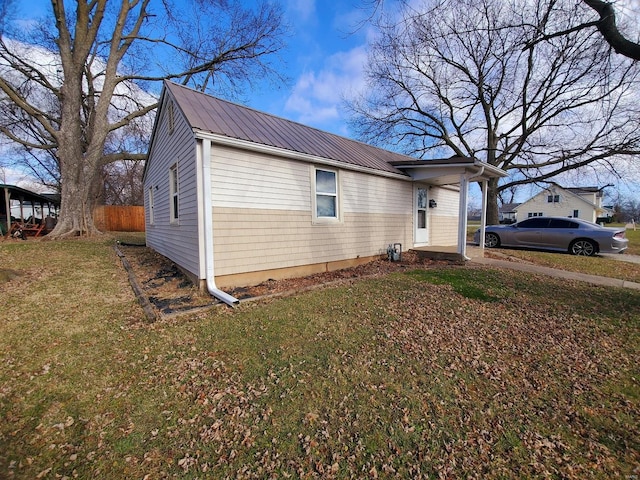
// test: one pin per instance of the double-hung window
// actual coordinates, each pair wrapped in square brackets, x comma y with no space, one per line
[174,193]
[327,203]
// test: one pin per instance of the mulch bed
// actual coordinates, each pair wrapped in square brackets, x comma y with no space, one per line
[170,292]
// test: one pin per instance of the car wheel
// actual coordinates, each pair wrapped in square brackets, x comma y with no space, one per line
[583,247]
[491,240]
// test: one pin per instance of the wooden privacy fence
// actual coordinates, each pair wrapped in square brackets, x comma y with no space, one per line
[119,218]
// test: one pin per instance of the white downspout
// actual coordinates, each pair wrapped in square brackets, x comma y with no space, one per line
[208,228]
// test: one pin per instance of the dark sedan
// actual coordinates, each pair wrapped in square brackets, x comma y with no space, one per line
[560,234]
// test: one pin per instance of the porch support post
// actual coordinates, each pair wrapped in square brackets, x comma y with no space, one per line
[483,216]
[462,215]
[7,200]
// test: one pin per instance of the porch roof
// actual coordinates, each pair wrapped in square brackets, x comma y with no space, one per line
[447,171]
[29,197]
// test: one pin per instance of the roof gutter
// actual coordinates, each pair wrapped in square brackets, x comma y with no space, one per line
[207,223]
[478,173]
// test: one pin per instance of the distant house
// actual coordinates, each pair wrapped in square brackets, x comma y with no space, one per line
[235,196]
[507,213]
[575,202]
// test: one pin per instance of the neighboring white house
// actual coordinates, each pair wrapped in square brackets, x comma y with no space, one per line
[235,196]
[575,202]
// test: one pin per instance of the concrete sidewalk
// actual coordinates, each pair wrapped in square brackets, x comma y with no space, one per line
[554,272]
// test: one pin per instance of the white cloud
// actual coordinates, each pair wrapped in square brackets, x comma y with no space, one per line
[302,10]
[317,95]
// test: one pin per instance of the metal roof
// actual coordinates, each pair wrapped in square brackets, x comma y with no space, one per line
[213,115]
[17,193]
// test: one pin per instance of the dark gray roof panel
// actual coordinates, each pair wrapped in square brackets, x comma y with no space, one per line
[213,115]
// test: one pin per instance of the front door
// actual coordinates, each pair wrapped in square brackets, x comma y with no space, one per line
[420,221]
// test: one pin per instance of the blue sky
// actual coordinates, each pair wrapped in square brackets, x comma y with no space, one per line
[323,60]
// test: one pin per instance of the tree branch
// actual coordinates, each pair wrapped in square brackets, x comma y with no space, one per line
[609,30]
[607,27]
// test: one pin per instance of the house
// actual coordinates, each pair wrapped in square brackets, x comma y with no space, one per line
[507,213]
[235,196]
[576,202]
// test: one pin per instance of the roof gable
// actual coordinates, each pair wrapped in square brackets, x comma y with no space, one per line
[209,114]
[554,190]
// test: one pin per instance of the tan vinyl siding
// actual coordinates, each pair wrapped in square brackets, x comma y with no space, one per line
[444,230]
[443,222]
[177,241]
[370,194]
[247,240]
[262,214]
[242,179]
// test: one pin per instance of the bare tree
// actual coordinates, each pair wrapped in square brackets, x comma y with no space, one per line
[122,183]
[606,23]
[464,85]
[70,88]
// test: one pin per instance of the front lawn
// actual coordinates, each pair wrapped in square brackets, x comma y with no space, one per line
[449,372]
[634,241]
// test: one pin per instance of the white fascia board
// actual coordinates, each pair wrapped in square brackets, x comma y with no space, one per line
[441,170]
[496,171]
[290,154]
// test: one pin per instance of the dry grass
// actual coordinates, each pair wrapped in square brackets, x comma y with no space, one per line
[597,265]
[438,373]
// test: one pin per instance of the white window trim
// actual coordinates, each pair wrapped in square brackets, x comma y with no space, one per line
[174,194]
[338,196]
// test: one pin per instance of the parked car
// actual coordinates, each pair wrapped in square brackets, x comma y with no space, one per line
[561,234]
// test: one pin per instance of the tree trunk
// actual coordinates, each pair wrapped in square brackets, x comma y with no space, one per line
[78,199]
[492,202]
[79,162]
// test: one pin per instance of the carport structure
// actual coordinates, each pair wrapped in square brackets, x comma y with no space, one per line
[28,202]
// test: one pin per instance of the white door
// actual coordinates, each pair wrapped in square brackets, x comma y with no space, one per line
[420,221]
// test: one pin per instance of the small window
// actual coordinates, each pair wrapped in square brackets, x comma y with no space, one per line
[174,193]
[576,213]
[556,198]
[326,194]
[151,206]
[550,198]
[422,219]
